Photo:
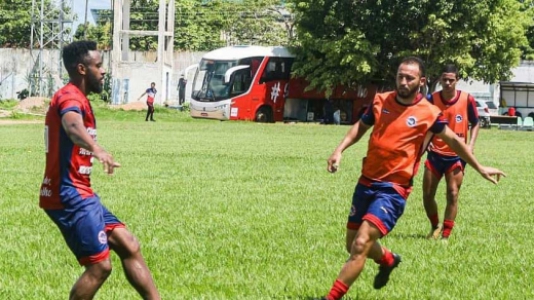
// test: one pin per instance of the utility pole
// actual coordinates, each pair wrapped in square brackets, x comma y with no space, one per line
[61,31]
[85,20]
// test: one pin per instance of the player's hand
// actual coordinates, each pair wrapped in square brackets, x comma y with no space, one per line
[491,174]
[106,160]
[333,162]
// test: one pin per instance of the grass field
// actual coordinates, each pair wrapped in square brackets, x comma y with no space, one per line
[238,210]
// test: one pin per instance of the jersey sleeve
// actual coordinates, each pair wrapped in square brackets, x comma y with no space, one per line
[439,124]
[472,113]
[368,117]
[69,102]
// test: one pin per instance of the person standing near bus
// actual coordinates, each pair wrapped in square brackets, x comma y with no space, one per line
[66,195]
[459,108]
[150,96]
[403,122]
[182,83]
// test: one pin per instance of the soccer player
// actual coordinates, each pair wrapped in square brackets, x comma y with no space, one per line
[150,96]
[89,229]
[403,124]
[459,108]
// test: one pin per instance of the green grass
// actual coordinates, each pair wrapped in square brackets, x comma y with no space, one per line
[8,104]
[238,210]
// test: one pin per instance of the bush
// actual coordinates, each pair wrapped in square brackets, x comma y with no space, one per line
[186,107]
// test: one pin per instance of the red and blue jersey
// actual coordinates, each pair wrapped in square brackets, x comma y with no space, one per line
[68,166]
[151,95]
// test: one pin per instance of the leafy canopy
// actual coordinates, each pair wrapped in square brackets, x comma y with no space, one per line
[344,42]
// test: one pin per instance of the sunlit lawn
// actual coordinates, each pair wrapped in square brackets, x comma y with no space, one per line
[238,210]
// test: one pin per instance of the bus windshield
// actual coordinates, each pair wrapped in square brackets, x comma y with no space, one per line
[209,82]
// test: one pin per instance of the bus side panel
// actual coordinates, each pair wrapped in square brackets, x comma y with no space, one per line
[244,106]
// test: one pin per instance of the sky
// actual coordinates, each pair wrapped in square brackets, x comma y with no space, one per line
[79,9]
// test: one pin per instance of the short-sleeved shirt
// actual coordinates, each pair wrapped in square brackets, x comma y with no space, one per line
[151,95]
[68,166]
[400,136]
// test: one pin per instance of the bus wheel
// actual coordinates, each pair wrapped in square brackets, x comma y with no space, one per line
[264,115]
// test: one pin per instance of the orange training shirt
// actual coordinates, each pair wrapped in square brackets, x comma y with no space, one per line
[399,137]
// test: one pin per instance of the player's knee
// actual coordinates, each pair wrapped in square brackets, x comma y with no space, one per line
[360,244]
[452,195]
[131,247]
[428,194]
[101,270]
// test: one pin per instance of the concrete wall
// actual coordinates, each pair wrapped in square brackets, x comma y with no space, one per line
[141,73]
[16,66]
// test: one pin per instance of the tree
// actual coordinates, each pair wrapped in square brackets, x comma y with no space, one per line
[16,21]
[202,25]
[344,42]
[528,50]
[101,33]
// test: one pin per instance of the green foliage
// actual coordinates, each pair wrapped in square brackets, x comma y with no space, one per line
[202,25]
[186,107]
[8,104]
[354,41]
[15,23]
[100,33]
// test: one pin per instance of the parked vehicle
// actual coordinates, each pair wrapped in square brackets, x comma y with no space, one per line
[492,108]
[484,113]
[255,83]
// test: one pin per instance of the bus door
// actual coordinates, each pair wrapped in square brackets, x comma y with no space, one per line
[275,77]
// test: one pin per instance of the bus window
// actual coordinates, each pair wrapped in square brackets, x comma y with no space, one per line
[277,69]
[253,62]
[241,82]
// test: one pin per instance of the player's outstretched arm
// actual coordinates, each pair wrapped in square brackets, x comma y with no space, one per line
[491,174]
[354,135]
[141,96]
[73,124]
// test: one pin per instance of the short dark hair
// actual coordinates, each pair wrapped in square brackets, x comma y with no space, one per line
[417,61]
[450,68]
[76,53]
[152,83]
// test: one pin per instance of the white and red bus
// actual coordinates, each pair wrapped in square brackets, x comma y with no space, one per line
[254,83]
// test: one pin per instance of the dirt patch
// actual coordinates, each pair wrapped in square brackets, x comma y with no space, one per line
[4,113]
[30,103]
[138,105]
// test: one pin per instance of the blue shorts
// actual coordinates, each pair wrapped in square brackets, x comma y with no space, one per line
[440,164]
[85,225]
[380,204]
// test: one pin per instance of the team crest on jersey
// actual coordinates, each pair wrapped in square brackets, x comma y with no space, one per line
[352,211]
[385,111]
[102,237]
[459,118]
[411,121]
